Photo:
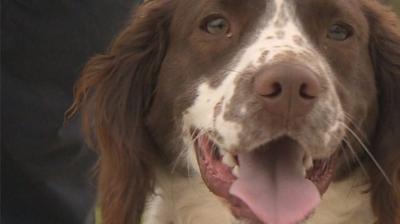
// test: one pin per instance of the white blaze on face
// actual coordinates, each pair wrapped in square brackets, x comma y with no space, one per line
[276,36]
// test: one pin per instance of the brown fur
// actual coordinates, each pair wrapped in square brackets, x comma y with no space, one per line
[115,93]
[385,52]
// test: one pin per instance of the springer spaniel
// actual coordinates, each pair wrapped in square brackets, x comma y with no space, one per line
[255,111]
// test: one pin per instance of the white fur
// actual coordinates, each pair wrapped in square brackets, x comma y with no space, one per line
[180,200]
[188,201]
[346,203]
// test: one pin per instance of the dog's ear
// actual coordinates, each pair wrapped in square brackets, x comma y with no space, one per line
[385,54]
[113,95]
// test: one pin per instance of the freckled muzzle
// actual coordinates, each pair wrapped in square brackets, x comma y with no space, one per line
[273,184]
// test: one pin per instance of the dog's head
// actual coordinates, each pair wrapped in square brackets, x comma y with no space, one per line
[266,100]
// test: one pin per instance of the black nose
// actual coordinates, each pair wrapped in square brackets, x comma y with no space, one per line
[287,89]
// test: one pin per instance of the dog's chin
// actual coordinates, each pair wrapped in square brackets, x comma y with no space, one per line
[276,183]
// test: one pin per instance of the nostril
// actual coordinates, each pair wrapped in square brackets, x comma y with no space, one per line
[275,89]
[306,92]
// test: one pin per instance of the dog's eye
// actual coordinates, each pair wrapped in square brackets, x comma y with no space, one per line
[340,32]
[215,25]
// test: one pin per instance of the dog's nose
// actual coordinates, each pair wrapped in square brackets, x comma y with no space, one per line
[287,89]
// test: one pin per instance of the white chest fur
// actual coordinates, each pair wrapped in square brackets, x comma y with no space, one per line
[345,202]
[188,201]
[185,201]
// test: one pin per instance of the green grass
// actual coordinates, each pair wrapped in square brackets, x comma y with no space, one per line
[98,216]
[396,4]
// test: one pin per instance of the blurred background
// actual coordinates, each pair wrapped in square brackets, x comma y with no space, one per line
[396,4]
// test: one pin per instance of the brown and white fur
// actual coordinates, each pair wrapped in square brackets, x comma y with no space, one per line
[165,76]
[188,201]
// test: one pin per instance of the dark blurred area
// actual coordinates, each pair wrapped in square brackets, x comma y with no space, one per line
[46,170]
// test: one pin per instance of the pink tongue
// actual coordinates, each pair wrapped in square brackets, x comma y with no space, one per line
[271,183]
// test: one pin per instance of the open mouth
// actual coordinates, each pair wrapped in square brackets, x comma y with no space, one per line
[277,183]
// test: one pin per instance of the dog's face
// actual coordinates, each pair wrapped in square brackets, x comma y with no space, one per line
[266,100]
[258,96]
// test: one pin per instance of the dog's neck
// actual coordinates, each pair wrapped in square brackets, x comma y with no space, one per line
[182,200]
[346,201]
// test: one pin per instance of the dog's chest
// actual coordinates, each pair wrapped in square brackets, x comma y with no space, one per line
[345,202]
[188,201]
[185,201]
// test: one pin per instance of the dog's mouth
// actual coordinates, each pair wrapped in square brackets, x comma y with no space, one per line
[277,183]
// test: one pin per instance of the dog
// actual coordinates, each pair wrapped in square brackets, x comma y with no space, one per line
[257,111]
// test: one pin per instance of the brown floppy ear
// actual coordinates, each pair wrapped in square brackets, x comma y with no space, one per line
[385,53]
[113,95]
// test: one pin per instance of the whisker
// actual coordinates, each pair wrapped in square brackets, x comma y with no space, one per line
[199,133]
[244,74]
[348,162]
[346,157]
[357,128]
[350,147]
[230,70]
[194,136]
[176,162]
[343,149]
[214,147]
[368,153]
[364,171]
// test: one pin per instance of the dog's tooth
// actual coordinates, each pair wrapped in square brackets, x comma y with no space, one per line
[229,160]
[235,171]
